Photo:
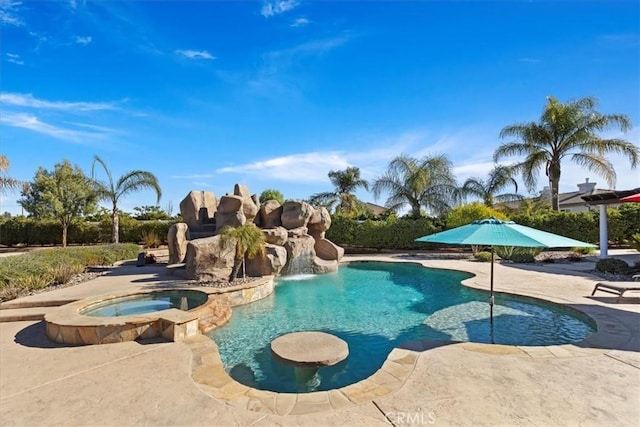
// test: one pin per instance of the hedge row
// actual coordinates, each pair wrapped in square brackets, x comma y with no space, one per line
[390,234]
[621,224]
[30,232]
[400,233]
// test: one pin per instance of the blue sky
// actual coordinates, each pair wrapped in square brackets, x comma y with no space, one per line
[205,94]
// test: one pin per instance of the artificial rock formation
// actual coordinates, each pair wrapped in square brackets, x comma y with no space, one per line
[208,259]
[295,214]
[177,239]
[271,264]
[198,208]
[230,212]
[270,214]
[294,234]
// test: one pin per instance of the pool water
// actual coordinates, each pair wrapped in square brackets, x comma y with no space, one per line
[374,307]
[147,303]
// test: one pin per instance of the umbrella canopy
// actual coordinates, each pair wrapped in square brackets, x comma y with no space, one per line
[495,232]
[632,198]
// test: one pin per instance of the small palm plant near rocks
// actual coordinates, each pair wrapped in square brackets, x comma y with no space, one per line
[249,242]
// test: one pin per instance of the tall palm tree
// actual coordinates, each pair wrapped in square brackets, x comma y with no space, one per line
[6,182]
[428,182]
[500,177]
[342,198]
[566,131]
[249,241]
[128,183]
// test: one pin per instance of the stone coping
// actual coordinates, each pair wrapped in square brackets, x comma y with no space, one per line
[210,376]
[67,324]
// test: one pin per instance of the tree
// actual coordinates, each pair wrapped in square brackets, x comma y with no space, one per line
[6,182]
[146,213]
[249,241]
[427,182]
[135,180]
[466,214]
[271,194]
[566,131]
[342,198]
[500,177]
[64,193]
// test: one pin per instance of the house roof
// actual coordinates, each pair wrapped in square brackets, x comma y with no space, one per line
[376,209]
[609,197]
[576,197]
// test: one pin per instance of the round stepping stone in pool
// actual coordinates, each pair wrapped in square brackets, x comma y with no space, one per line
[310,349]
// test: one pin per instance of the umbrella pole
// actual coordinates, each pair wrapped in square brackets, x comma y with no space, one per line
[491,293]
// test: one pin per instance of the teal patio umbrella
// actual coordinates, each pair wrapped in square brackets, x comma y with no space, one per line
[495,232]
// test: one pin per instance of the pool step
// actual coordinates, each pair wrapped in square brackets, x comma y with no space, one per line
[25,303]
[23,314]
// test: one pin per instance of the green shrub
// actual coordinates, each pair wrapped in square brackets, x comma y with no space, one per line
[613,266]
[583,250]
[39,269]
[517,254]
[523,257]
[482,256]
[582,226]
[468,213]
[150,239]
[634,241]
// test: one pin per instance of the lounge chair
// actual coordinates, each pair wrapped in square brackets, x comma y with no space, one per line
[616,288]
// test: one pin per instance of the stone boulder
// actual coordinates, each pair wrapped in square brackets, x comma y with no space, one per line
[300,231]
[198,208]
[207,259]
[296,214]
[319,223]
[300,255]
[327,250]
[177,240]
[249,206]
[275,236]
[271,264]
[230,212]
[270,214]
[322,266]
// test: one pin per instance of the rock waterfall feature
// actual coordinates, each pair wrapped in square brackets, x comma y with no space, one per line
[294,234]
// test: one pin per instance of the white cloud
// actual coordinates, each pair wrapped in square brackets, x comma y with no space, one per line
[27,100]
[529,60]
[306,167]
[83,40]
[32,123]
[270,9]
[300,22]
[201,184]
[195,54]
[14,58]
[8,14]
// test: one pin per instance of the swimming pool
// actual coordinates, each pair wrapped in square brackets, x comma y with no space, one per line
[374,307]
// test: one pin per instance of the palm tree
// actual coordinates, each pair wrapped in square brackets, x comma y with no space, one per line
[342,198]
[566,130]
[500,177]
[129,182]
[6,182]
[426,182]
[249,241]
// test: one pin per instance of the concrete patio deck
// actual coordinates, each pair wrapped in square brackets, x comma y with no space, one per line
[595,382]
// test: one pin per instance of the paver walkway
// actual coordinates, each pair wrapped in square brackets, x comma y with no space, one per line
[596,382]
